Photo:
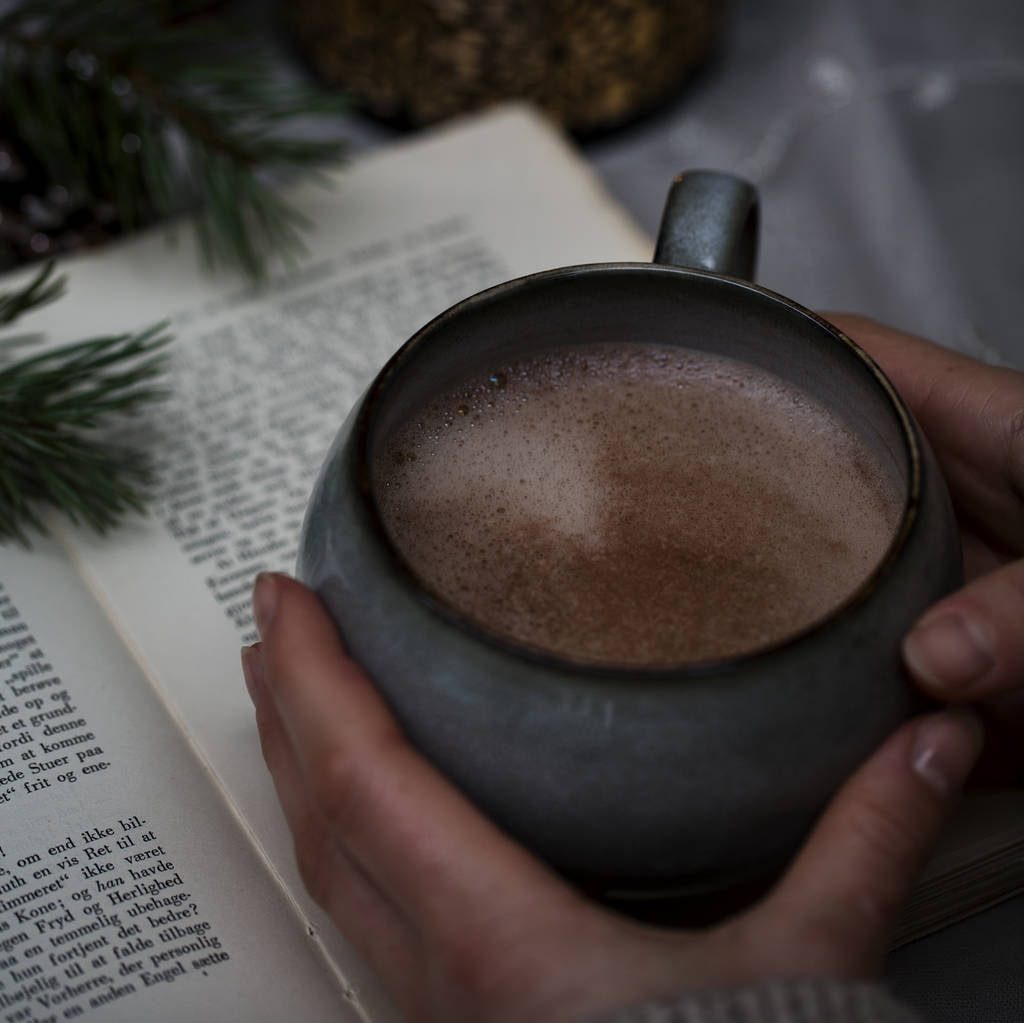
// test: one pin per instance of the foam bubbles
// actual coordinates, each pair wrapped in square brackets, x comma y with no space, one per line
[635,504]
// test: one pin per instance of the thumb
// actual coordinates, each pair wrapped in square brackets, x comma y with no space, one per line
[845,891]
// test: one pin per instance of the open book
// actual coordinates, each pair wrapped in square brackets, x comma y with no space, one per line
[145,868]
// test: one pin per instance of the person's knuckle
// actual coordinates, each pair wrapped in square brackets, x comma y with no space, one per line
[885,837]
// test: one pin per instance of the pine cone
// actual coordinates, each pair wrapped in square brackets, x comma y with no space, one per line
[41,217]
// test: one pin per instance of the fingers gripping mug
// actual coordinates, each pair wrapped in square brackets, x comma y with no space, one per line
[630,548]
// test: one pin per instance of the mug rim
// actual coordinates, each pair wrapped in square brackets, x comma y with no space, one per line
[635,673]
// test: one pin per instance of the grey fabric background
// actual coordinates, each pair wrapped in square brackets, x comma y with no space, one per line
[887,141]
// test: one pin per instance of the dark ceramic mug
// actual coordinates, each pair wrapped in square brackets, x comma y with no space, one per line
[640,782]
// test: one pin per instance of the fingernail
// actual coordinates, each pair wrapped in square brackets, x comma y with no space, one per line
[948,653]
[252,670]
[945,748]
[264,600]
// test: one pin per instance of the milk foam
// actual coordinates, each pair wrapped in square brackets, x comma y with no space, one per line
[635,504]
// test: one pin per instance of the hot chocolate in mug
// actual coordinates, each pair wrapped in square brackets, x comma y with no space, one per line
[629,549]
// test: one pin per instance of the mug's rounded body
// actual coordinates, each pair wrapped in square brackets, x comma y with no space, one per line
[692,778]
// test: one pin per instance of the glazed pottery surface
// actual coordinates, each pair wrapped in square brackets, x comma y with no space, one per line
[640,781]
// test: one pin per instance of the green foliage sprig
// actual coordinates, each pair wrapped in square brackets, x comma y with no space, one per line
[144,108]
[53,406]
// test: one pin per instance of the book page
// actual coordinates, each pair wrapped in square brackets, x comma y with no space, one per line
[262,379]
[978,863]
[127,891]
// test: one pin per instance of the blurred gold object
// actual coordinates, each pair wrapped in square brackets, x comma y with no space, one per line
[591,64]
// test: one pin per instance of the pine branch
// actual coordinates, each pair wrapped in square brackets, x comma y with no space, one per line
[51,406]
[150,107]
[39,291]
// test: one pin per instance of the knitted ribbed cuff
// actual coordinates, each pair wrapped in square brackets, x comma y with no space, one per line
[779,1001]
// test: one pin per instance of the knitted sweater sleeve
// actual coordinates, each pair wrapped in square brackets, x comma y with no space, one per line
[778,1001]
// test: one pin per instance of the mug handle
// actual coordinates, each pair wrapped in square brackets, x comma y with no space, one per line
[710,222]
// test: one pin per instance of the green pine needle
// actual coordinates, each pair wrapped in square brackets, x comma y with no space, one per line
[55,410]
[39,291]
[151,107]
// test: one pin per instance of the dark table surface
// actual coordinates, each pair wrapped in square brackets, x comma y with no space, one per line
[887,143]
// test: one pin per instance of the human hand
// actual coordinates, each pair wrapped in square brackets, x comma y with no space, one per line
[969,646]
[461,923]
